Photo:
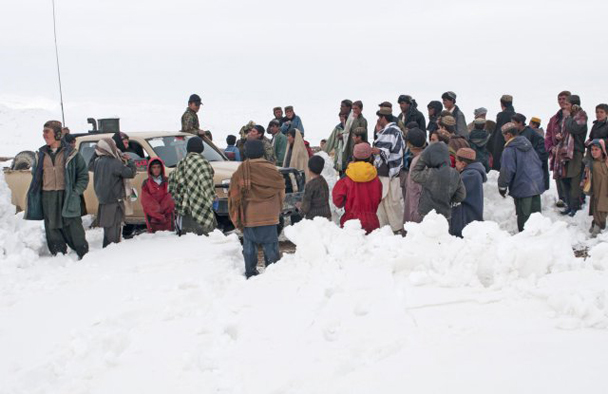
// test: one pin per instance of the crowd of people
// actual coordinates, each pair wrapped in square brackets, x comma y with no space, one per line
[393,173]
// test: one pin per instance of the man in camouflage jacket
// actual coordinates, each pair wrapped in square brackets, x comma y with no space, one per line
[193,190]
[190,122]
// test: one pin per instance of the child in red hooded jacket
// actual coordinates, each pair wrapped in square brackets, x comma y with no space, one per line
[360,191]
[156,200]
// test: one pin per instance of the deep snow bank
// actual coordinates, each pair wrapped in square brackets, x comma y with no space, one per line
[20,241]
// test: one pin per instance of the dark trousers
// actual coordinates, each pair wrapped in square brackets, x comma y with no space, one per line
[268,237]
[189,225]
[524,207]
[112,234]
[571,188]
[70,234]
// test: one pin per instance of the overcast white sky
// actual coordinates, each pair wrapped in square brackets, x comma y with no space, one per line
[140,60]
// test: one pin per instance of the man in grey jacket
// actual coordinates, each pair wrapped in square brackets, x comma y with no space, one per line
[111,173]
[449,102]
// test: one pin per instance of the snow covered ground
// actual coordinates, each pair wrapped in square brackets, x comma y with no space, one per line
[428,313]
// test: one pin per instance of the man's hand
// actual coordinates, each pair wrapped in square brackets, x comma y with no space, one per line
[558,136]
[375,151]
[502,191]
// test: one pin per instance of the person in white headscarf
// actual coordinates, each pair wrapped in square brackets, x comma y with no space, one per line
[112,182]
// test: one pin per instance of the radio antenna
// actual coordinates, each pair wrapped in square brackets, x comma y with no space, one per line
[58,72]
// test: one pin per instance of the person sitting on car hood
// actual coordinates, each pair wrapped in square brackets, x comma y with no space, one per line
[156,200]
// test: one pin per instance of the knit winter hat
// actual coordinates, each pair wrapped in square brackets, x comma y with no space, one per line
[416,137]
[534,119]
[574,100]
[466,153]
[509,126]
[316,164]
[362,151]
[449,96]
[480,111]
[507,98]
[195,144]
[385,104]
[448,120]
[404,98]
[411,125]
[254,149]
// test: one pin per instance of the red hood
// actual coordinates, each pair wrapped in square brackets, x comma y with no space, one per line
[162,166]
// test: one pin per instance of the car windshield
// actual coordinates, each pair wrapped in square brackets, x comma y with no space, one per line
[172,149]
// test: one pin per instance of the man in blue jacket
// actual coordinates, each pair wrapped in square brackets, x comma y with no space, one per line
[291,121]
[473,175]
[521,173]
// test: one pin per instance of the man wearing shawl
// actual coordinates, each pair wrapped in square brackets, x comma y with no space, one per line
[113,172]
[255,199]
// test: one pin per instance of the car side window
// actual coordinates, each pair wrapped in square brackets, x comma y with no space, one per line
[87,149]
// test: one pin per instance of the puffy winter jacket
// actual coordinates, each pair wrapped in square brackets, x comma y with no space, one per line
[156,201]
[360,193]
[521,170]
[441,184]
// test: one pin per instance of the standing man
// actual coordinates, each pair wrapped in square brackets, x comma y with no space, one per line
[257,133]
[497,140]
[434,108]
[409,111]
[538,143]
[278,141]
[190,122]
[449,102]
[278,115]
[355,120]
[113,171]
[473,176]
[193,191]
[291,121]
[521,174]
[255,200]
[388,151]
[535,125]
[570,151]
[554,128]
[59,178]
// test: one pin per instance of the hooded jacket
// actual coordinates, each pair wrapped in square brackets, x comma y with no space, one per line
[538,142]
[413,115]
[478,141]
[471,208]
[156,200]
[441,184]
[432,125]
[521,170]
[360,193]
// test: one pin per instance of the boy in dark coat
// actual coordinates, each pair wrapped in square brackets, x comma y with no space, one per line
[473,176]
[441,184]
[156,200]
[521,173]
[598,206]
[478,141]
[360,191]
[497,141]
[316,193]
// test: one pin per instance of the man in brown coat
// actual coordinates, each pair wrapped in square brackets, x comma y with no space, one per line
[255,200]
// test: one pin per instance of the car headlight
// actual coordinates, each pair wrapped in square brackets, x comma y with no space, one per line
[225,184]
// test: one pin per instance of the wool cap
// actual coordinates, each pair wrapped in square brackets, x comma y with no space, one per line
[480,121]
[448,120]
[466,153]
[362,151]
[507,98]
[359,131]
[411,125]
[316,164]
[384,111]
[449,96]
[289,108]
[534,119]
[416,137]
[509,126]
[480,111]
[519,118]
[404,98]
[195,144]
[385,104]
[574,100]
[277,109]
[254,149]
[194,98]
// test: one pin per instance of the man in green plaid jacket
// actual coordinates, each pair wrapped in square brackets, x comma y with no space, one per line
[192,188]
